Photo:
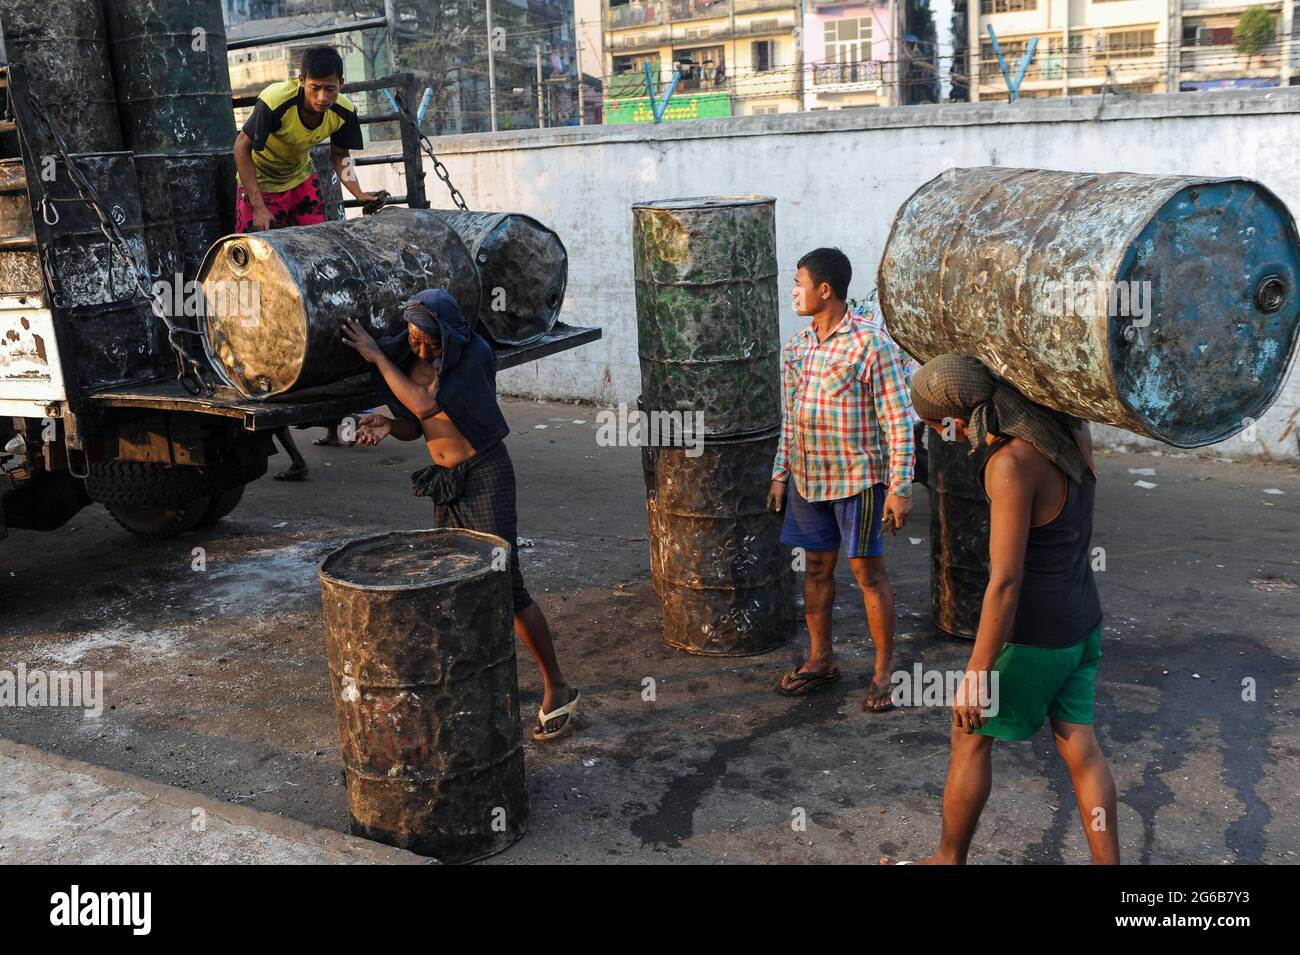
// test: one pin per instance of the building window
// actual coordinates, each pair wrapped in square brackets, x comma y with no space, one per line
[762,55]
[848,52]
[1007,6]
[1128,43]
[1199,34]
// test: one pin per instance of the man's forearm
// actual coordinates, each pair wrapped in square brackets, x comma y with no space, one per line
[248,177]
[997,619]
[416,399]
[403,429]
[346,170]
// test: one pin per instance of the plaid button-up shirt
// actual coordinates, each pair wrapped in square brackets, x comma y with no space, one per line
[848,416]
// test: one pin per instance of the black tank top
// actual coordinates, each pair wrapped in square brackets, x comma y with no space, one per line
[1059,604]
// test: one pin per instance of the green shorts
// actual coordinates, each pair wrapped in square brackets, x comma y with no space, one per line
[1037,682]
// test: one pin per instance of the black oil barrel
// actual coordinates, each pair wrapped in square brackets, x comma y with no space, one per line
[959,536]
[708,330]
[171,74]
[331,190]
[724,577]
[202,204]
[88,271]
[63,46]
[524,268]
[156,209]
[1164,305]
[307,279]
[421,644]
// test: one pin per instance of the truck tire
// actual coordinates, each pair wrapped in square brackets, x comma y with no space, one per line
[221,504]
[158,522]
[142,485]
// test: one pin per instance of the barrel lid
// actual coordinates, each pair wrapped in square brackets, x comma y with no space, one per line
[705,202]
[414,560]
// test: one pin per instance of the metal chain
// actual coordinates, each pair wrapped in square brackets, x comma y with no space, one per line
[189,372]
[439,169]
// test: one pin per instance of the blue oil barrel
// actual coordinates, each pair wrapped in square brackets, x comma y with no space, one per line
[1165,305]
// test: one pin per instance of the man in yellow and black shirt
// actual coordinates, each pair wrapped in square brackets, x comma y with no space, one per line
[277,182]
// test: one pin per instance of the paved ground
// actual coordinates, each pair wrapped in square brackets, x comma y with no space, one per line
[59,810]
[216,678]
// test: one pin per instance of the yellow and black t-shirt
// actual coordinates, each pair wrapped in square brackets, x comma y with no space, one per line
[281,143]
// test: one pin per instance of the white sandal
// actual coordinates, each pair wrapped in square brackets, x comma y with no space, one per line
[569,709]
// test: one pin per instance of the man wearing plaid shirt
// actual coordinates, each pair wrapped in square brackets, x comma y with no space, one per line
[846,440]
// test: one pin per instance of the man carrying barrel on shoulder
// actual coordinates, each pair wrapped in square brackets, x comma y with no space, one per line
[843,465]
[278,186]
[440,378]
[1039,643]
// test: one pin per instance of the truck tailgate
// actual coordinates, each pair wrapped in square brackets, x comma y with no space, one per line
[314,404]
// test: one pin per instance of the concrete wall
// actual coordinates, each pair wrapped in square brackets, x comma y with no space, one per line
[839,177]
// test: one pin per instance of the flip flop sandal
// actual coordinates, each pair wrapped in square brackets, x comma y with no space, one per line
[808,681]
[568,711]
[888,697]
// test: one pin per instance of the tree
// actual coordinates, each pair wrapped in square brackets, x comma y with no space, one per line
[1254,31]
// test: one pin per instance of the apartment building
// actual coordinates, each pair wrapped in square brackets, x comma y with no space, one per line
[735,57]
[1206,58]
[850,50]
[1134,46]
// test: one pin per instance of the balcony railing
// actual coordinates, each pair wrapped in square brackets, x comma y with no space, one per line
[647,39]
[699,9]
[638,14]
[832,74]
[755,6]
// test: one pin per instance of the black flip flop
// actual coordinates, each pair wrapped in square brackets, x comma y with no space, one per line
[809,681]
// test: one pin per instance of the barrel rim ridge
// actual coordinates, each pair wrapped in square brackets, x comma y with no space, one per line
[325,576]
[705,202]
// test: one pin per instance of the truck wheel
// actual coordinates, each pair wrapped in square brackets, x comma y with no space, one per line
[221,505]
[159,521]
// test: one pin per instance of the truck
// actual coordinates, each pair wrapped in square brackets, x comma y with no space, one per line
[113,402]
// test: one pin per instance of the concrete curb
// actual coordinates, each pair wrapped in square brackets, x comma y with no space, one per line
[159,815]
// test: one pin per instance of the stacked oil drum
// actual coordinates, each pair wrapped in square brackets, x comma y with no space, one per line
[140,94]
[62,49]
[709,345]
[173,92]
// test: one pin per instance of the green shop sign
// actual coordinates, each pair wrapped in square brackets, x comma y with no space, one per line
[619,112]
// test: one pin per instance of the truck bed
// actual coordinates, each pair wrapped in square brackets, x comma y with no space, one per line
[326,403]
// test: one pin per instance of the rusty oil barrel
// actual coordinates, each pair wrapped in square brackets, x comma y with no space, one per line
[63,46]
[724,577]
[421,645]
[1164,305]
[708,332]
[306,280]
[959,535]
[524,268]
[171,74]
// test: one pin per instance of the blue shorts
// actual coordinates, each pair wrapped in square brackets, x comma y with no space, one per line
[822,525]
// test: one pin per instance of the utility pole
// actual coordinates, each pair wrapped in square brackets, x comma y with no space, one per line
[541,116]
[898,52]
[492,69]
[1288,39]
[390,14]
[582,108]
